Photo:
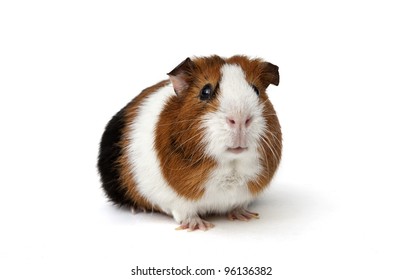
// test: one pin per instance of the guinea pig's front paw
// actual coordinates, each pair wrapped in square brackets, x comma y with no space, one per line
[242,214]
[194,223]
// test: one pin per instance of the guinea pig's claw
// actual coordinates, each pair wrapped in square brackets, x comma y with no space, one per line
[242,214]
[192,224]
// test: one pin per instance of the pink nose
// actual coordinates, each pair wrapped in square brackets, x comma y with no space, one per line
[238,122]
[238,125]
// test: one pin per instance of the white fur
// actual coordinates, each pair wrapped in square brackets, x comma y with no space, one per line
[226,187]
[142,154]
[234,170]
[236,98]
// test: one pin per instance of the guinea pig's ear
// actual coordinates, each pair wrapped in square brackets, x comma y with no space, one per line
[269,74]
[181,75]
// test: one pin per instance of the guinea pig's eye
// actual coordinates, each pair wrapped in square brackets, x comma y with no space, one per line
[206,92]
[256,90]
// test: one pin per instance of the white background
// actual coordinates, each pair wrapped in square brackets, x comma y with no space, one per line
[333,210]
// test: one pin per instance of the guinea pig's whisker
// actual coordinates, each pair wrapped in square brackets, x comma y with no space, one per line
[265,110]
[202,158]
[181,145]
[265,101]
[265,163]
[268,131]
[273,151]
[277,141]
[273,145]
[263,151]
[193,161]
[184,130]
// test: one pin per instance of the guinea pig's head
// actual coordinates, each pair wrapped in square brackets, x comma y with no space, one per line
[224,105]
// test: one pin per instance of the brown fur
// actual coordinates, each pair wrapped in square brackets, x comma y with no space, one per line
[261,74]
[179,134]
[258,72]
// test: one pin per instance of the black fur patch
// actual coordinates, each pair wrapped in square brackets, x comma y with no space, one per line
[109,153]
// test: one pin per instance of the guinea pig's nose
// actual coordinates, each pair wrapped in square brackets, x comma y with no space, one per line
[238,121]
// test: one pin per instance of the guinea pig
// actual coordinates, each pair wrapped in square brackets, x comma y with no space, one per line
[205,141]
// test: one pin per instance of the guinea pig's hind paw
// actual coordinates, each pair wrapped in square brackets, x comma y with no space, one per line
[192,224]
[242,215]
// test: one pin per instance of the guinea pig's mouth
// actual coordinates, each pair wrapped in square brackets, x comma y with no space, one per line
[237,150]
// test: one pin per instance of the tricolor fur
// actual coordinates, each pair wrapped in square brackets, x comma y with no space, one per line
[205,141]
